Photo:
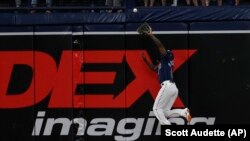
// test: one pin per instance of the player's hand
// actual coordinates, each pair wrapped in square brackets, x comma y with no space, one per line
[148,33]
[144,29]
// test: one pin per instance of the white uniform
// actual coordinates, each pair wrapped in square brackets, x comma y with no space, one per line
[164,102]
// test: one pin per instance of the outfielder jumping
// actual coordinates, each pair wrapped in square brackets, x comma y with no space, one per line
[168,92]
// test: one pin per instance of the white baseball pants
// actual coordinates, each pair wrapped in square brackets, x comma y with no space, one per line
[164,102]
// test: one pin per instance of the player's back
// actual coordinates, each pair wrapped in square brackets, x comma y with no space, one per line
[165,68]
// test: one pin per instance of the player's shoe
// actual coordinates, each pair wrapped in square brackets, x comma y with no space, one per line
[188,115]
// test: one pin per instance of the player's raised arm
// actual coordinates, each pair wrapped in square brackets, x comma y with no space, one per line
[145,29]
[158,43]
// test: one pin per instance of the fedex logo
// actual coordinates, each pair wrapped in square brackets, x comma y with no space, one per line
[61,81]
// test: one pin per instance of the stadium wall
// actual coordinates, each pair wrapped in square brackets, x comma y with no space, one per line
[85,72]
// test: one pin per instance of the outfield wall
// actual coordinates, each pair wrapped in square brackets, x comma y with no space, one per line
[86,71]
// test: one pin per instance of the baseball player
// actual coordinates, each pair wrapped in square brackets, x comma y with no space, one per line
[168,92]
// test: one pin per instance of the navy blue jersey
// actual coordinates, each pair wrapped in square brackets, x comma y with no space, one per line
[165,68]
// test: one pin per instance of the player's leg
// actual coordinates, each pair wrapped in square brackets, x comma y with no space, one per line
[170,101]
[159,106]
[171,96]
[176,113]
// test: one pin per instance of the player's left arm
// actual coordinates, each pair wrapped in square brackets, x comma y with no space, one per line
[158,43]
[150,65]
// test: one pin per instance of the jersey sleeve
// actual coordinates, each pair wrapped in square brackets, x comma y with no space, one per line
[169,55]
